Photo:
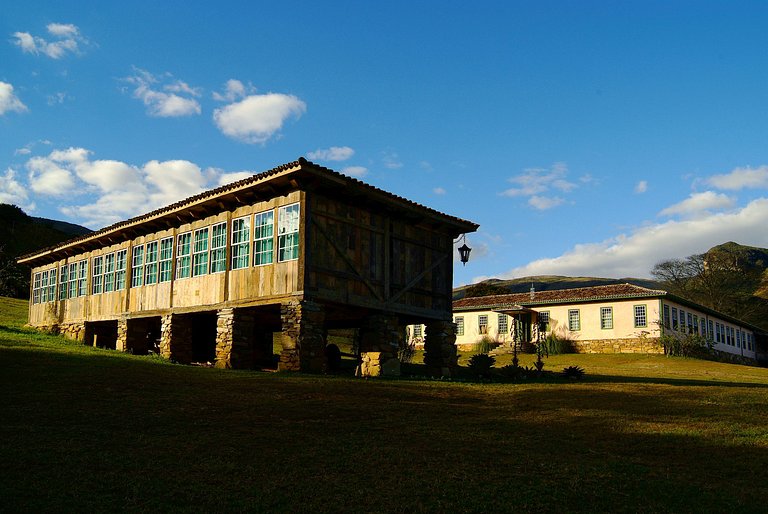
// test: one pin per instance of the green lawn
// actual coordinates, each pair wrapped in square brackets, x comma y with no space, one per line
[83,429]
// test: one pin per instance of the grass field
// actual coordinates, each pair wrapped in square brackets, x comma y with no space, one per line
[86,430]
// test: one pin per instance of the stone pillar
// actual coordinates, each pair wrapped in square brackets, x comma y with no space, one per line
[379,341]
[234,339]
[121,343]
[176,338]
[440,348]
[303,337]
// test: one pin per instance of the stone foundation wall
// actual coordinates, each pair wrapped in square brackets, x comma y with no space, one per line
[176,338]
[74,331]
[380,338]
[234,332]
[440,354]
[121,344]
[302,338]
[627,345]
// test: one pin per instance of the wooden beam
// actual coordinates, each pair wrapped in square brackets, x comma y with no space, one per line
[417,279]
[346,259]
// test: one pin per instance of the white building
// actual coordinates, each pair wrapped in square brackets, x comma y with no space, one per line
[620,318]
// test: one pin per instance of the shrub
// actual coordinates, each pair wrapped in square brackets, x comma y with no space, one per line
[481,364]
[555,345]
[689,345]
[573,372]
[514,372]
[485,345]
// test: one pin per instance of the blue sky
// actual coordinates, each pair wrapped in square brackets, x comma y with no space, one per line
[586,138]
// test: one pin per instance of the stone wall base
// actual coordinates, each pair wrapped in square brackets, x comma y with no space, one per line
[626,345]
[74,331]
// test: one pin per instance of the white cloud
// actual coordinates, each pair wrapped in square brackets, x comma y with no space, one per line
[228,178]
[257,118]
[641,187]
[173,180]
[67,39]
[98,192]
[22,151]
[699,204]
[391,161]
[8,100]
[11,190]
[533,182]
[634,254]
[741,178]
[56,98]
[166,101]
[355,171]
[334,153]
[543,203]
[439,191]
[233,90]
[48,177]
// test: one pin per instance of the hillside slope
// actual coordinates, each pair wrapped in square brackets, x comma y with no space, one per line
[21,234]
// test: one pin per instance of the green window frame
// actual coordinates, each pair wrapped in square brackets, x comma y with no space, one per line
[241,236]
[36,288]
[482,324]
[641,316]
[184,255]
[263,238]
[543,318]
[72,285]
[166,259]
[97,286]
[63,281]
[150,264]
[219,247]
[666,316]
[503,323]
[288,233]
[109,272]
[606,318]
[459,321]
[121,263]
[82,278]
[52,285]
[137,266]
[200,252]
[574,320]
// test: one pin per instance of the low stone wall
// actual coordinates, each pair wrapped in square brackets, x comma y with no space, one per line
[626,345]
[74,331]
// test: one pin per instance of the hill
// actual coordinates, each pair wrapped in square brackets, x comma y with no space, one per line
[20,234]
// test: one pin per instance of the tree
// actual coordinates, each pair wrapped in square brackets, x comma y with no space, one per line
[720,280]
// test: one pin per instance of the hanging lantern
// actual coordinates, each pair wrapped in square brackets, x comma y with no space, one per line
[464,253]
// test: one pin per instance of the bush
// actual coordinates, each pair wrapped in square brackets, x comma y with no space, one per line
[513,372]
[689,345]
[554,345]
[573,372]
[481,364]
[485,345]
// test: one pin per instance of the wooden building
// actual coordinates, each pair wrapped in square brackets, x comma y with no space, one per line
[285,255]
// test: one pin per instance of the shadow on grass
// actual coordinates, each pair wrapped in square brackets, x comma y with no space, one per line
[145,438]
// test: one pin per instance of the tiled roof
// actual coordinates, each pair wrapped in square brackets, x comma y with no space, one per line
[299,165]
[576,295]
